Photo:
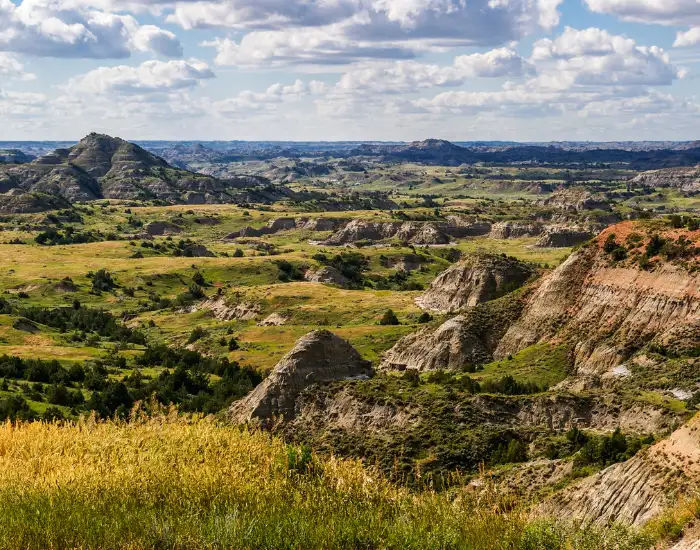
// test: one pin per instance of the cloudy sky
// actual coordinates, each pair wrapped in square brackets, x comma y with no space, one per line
[527,70]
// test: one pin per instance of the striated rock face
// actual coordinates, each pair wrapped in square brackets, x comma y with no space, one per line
[320,224]
[461,342]
[281,224]
[576,199]
[223,311]
[474,280]
[608,312]
[460,226]
[361,230]
[318,357]
[560,237]
[635,491]
[514,230]
[326,274]
[685,179]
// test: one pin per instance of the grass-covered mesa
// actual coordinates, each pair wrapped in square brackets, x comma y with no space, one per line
[348,352]
[167,481]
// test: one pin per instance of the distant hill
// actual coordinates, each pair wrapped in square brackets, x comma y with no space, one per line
[441,152]
[14,156]
[101,166]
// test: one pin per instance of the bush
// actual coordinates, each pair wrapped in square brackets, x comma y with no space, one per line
[389,318]
[196,334]
[102,281]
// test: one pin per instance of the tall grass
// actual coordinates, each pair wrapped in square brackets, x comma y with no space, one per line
[174,482]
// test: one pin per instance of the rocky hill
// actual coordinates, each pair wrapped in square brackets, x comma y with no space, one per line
[685,179]
[100,167]
[476,279]
[318,357]
[611,309]
[639,489]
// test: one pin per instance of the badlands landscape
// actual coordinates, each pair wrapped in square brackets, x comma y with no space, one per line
[417,345]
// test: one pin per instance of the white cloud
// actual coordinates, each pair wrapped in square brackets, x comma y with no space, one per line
[691,37]
[11,67]
[343,31]
[49,28]
[149,77]
[21,104]
[595,57]
[408,76]
[311,46]
[665,12]
[247,103]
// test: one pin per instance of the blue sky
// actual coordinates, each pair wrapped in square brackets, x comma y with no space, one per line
[528,70]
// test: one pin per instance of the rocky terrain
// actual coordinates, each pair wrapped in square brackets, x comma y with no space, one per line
[476,279]
[608,310]
[514,230]
[639,489]
[685,179]
[413,232]
[576,199]
[318,357]
[560,237]
[100,166]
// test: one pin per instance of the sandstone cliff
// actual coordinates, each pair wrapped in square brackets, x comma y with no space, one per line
[476,279]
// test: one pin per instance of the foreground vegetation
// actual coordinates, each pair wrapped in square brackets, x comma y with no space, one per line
[172,482]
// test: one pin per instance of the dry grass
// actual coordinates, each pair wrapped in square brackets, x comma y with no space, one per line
[174,482]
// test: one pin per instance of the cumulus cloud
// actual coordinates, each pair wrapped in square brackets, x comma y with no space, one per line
[313,46]
[407,76]
[55,29]
[595,57]
[688,38]
[342,31]
[248,102]
[665,12]
[150,77]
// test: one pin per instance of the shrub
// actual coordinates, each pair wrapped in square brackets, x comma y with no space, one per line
[389,318]
[196,334]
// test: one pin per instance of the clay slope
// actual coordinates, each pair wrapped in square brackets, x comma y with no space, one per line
[476,279]
[609,311]
[637,490]
[318,357]
[462,342]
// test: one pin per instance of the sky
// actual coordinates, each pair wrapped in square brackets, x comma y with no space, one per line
[522,70]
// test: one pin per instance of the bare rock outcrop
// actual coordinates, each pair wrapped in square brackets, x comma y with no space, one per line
[635,491]
[476,279]
[363,230]
[576,199]
[327,274]
[162,228]
[685,179]
[607,311]
[222,310]
[318,357]
[561,237]
[464,341]
[514,230]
